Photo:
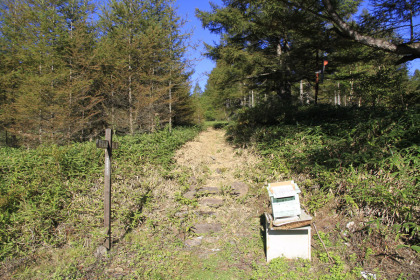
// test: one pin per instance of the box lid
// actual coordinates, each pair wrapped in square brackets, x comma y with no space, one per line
[283,189]
[288,222]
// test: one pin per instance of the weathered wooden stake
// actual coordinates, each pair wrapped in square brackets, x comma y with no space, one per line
[107,188]
[108,145]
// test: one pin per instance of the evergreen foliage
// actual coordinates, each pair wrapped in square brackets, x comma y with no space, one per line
[288,51]
[65,77]
[360,143]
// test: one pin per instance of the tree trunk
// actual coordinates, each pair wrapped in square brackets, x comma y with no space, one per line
[170,82]
[338,94]
[130,96]
[40,127]
[351,89]
[70,91]
[411,22]
[151,114]
[316,80]
[130,104]
[301,92]
[170,106]
[83,127]
[112,105]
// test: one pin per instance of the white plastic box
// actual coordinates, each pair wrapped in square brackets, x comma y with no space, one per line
[284,197]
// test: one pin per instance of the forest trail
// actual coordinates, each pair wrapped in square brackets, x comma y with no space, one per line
[226,210]
[202,219]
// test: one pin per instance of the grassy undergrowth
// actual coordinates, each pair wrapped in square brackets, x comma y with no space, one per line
[52,212]
[216,124]
[51,196]
[362,162]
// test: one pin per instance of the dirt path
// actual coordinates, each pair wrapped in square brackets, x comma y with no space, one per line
[202,219]
[225,211]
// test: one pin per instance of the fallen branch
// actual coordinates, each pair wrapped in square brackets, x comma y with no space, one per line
[325,248]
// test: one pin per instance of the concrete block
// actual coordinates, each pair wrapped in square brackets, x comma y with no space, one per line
[289,243]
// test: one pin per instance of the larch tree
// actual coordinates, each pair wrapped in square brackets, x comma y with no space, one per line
[180,105]
[142,54]
[121,29]
[83,118]
[36,39]
[49,71]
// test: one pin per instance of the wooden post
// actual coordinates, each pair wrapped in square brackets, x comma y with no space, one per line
[107,188]
[108,145]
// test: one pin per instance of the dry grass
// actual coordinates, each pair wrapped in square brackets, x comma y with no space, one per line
[155,220]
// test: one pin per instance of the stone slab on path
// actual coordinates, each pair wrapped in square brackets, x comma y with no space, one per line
[204,213]
[193,181]
[190,194]
[210,190]
[196,241]
[216,182]
[206,228]
[211,202]
[239,189]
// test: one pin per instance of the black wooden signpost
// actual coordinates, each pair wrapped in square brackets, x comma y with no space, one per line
[108,145]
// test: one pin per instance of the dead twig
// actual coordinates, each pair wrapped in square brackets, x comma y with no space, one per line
[325,248]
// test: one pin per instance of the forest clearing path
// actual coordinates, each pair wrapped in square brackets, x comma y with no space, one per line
[202,219]
[226,212]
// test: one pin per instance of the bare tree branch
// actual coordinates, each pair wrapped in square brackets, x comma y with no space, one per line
[410,51]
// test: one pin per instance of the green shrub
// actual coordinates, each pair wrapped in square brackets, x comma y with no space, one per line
[38,187]
[367,156]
